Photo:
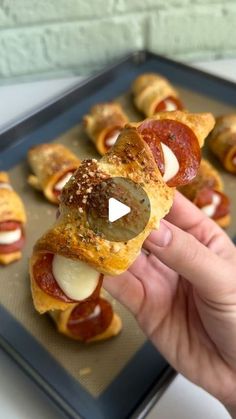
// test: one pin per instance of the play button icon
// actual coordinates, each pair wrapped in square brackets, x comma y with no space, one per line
[118,209]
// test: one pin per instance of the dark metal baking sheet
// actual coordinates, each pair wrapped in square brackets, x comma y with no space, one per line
[135,385]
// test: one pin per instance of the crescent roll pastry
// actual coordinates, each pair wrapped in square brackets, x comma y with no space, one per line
[206,192]
[52,165]
[222,141]
[12,221]
[103,125]
[153,93]
[89,321]
[138,156]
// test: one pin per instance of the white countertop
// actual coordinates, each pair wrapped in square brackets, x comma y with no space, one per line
[19,397]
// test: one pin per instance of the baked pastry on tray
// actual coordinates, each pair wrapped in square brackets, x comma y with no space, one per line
[222,141]
[12,221]
[89,321]
[206,192]
[103,125]
[52,165]
[146,154]
[153,93]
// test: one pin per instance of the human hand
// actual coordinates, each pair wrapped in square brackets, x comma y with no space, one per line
[183,295]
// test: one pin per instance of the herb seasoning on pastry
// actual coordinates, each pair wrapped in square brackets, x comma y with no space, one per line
[12,221]
[103,125]
[153,93]
[53,165]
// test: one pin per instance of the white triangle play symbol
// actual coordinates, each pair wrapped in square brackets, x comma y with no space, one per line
[116,210]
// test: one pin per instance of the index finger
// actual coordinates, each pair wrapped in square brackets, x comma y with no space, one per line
[184,214]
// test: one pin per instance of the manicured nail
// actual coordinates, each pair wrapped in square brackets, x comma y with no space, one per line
[161,237]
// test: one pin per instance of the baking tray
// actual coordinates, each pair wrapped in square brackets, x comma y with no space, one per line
[140,380]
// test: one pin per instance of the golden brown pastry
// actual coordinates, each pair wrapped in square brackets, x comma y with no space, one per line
[52,165]
[103,125]
[12,221]
[222,141]
[153,93]
[206,191]
[143,154]
[88,321]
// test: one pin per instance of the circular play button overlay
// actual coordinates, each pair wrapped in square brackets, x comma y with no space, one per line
[118,209]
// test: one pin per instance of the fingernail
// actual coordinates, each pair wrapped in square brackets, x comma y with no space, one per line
[161,237]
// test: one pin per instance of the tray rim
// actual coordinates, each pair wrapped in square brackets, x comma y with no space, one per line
[137,57]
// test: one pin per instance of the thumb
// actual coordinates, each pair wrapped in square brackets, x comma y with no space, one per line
[183,253]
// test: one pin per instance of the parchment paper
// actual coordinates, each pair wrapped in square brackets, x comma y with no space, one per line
[106,359]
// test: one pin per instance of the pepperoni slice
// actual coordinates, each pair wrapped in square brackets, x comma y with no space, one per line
[16,246]
[90,318]
[180,139]
[9,225]
[43,275]
[13,247]
[163,105]
[205,197]
[42,272]
[57,193]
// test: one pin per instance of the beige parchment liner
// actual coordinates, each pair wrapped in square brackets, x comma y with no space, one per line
[102,360]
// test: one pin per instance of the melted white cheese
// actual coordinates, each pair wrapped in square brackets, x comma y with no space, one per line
[95,313]
[170,106]
[77,279]
[5,185]
[110,141]
[210,209]
[171,163]
[60,185]
[9,237]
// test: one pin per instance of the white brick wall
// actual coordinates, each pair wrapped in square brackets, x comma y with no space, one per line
[58,36]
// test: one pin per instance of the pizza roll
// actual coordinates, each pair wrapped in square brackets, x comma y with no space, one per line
[222,141]
[103,125]
[89,321]
[153,93]
[58,282]
[175,139]
[12,221]
[135,156]
[52,165]
[206,192]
